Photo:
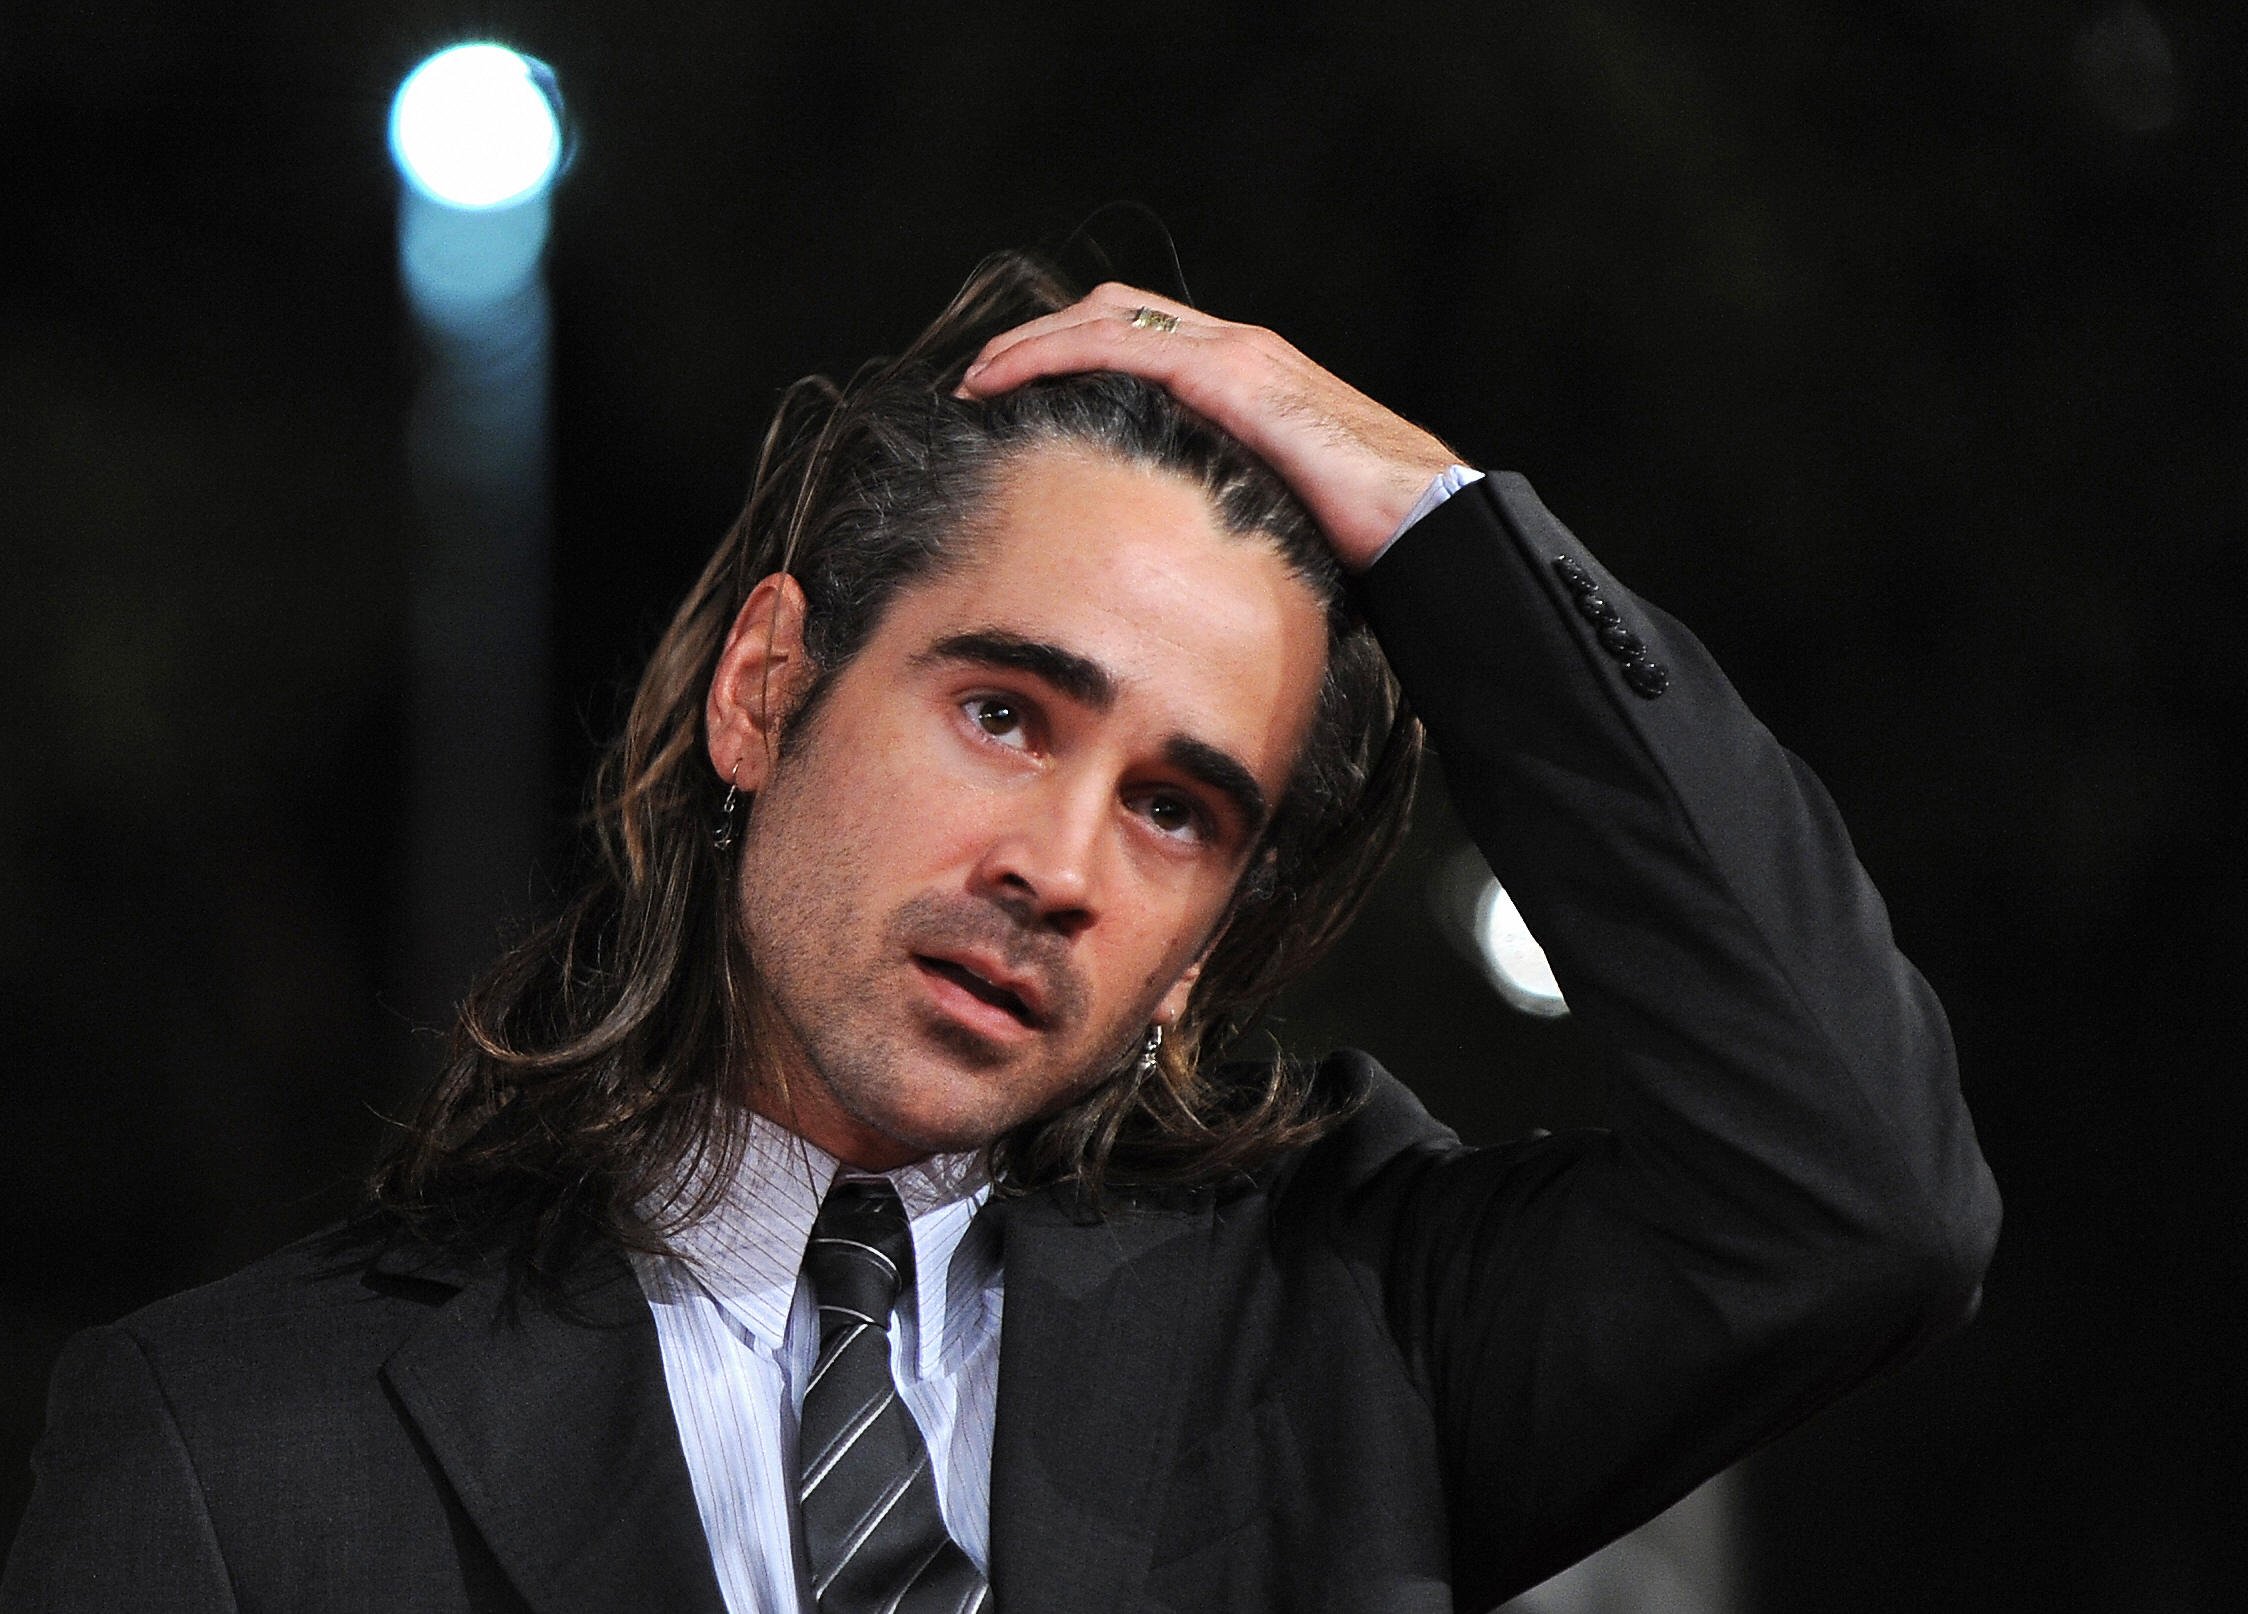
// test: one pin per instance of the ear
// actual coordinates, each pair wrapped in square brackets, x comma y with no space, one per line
[1174,1001]
[760,673]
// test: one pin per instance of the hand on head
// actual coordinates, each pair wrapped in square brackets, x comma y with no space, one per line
[1357,466]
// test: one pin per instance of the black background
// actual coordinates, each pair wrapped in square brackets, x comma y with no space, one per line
[1898,348]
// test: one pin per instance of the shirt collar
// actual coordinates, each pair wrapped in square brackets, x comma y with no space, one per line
[748,1249]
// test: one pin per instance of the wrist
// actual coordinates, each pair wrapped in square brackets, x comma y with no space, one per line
[1441,485]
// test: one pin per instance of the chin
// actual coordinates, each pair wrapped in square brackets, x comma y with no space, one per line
[945,1129]
[946,1094]
[964,1114]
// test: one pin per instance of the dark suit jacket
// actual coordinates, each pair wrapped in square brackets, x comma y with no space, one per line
[1391,1373]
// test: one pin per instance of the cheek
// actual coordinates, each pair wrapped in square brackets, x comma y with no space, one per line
[1170,958]
[911,804]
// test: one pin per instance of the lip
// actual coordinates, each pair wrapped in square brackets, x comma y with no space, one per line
[962,1002]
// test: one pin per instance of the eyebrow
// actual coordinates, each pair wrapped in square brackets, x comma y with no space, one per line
[1081,678]
[1223,772]
[1087,682]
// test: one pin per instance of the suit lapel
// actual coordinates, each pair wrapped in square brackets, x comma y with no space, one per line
[1097,1320]
[557,1434]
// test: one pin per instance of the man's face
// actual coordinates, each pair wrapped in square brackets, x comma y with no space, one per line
[1015,823]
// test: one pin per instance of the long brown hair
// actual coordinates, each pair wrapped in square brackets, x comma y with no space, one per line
[600,1064]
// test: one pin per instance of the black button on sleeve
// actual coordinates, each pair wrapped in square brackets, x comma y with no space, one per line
[1596,608]
[1573,573]
[1621,642]
[1647,677]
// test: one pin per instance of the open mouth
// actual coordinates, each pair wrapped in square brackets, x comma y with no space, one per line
[977,987]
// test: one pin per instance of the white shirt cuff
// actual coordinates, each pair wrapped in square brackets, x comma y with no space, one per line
[1441,487]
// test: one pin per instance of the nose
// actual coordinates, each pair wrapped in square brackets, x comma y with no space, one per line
[1042,861]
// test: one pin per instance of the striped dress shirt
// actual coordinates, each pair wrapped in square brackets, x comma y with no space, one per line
[740,1336]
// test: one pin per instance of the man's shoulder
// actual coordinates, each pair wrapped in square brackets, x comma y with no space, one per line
[347,1293]
[1375,1123]
[1380,1112]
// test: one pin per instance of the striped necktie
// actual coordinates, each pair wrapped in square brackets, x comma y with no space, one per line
[872,1530]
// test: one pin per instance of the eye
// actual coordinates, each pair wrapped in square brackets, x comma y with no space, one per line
[998,719]
[1175,817]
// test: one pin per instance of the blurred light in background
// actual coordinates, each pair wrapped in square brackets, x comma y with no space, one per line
[475,127]
[477,137]
[1474,913]
[1512,957]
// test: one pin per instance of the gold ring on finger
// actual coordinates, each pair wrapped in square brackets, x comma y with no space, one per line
[1153,319]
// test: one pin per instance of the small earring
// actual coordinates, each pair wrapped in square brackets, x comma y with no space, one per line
[723,827]
[1148,1051]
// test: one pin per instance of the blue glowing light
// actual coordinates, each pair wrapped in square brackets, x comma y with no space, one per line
[474,127]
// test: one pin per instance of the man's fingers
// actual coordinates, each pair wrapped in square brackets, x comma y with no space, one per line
[1061,319]
[1094,344]
[1095,332]
[1089,308]
[1356,466]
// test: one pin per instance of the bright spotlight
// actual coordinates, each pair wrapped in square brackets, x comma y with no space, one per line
[474,127]
[1475,913]
[1512,957]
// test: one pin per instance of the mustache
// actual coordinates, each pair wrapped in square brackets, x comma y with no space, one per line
[936,924]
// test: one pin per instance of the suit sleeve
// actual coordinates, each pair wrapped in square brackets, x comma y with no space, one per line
[1789,1196]
[116,1518]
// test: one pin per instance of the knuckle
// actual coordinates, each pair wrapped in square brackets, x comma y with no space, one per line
[1254,344]
[1248,344]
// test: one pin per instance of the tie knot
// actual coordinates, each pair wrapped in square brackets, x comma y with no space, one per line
[860,1254]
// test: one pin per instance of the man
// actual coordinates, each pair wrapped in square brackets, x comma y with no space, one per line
[842,1201]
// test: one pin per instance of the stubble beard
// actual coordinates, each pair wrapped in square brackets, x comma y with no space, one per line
[873,1074]
[830,1031]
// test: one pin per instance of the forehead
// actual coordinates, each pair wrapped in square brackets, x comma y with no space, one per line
[1129,566]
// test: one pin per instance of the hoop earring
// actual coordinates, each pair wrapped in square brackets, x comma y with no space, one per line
[1148,1051]
[723,829]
